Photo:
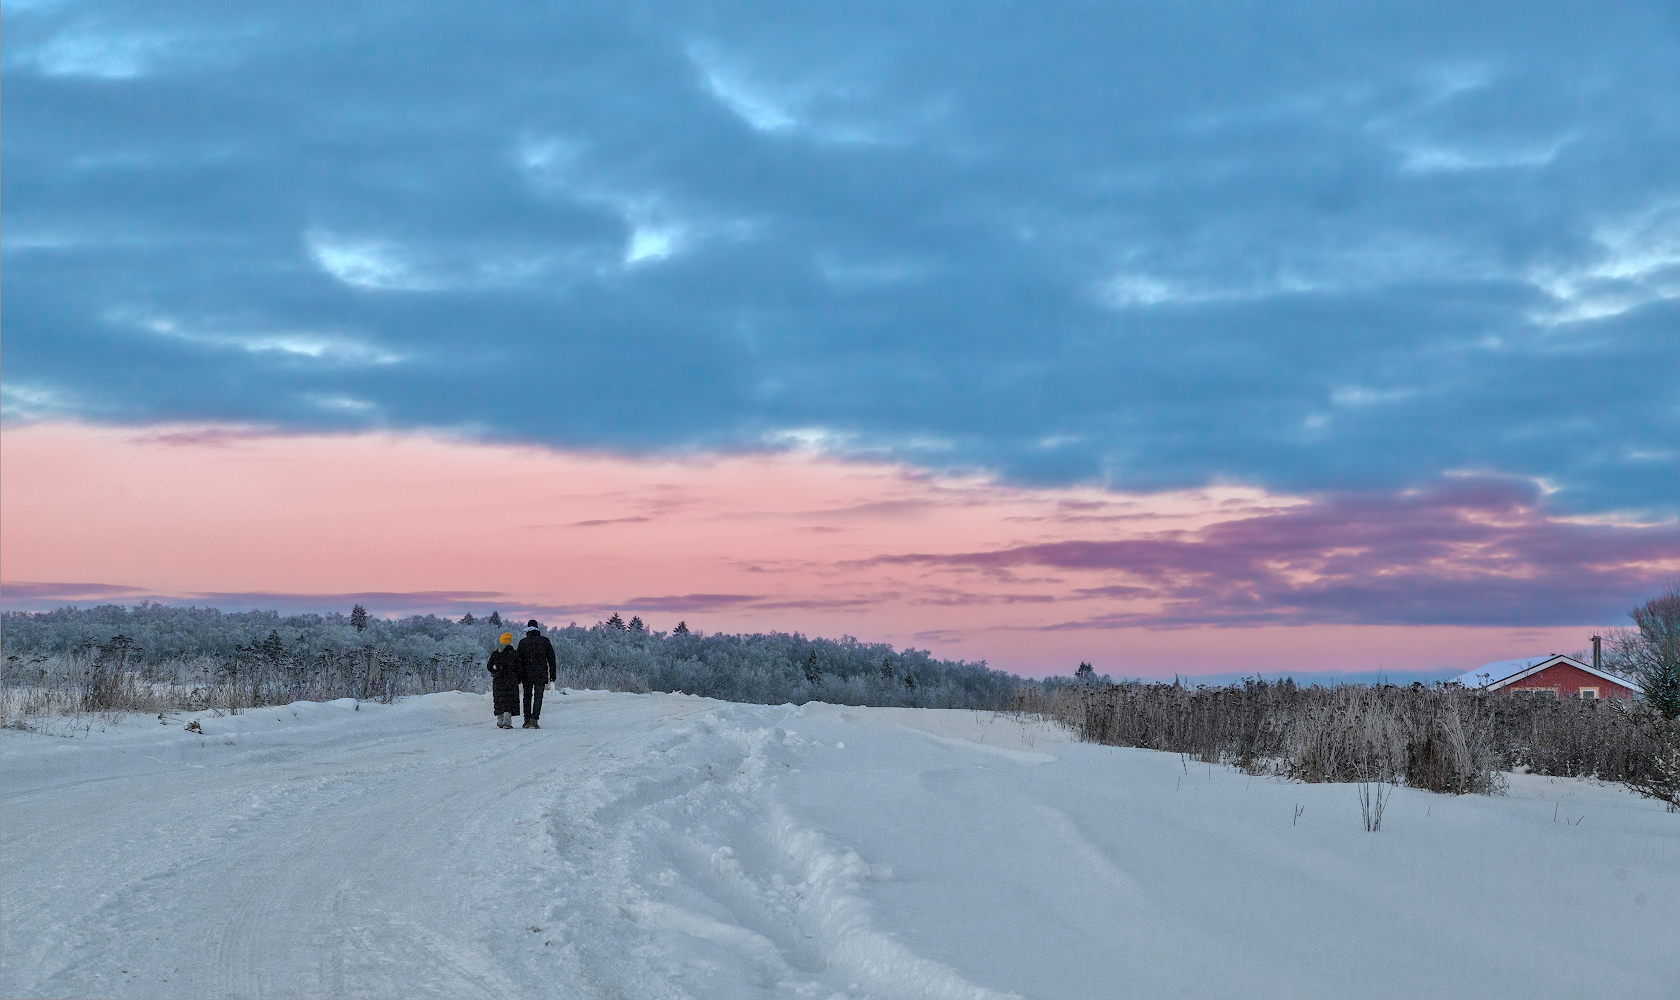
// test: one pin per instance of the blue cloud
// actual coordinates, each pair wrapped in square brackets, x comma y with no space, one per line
[1328,248]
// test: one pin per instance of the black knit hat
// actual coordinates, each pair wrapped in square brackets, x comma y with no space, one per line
[531,624]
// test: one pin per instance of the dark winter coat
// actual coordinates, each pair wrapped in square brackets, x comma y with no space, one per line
[536,659]
[504,679]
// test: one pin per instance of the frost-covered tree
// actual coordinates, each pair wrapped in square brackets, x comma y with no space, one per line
[468,619]
[358,618]
[681,629]
[1651,650]
[636,624]
[326,656]
[615,622]
[495,619]
[1085,672]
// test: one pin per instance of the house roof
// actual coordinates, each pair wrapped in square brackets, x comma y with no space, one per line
[1498,670]
[1501,673]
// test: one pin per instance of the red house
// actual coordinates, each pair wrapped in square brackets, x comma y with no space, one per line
[1554,676]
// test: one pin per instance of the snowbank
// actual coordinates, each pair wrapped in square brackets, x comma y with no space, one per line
[669,846]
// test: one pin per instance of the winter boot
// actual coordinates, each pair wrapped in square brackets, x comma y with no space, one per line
[502,720]
[533,724]
[530,723]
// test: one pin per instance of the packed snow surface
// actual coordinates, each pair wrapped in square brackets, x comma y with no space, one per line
[652,846]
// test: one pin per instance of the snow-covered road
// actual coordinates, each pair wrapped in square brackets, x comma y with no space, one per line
[666,846]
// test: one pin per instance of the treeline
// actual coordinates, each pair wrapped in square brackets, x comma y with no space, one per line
[162,633]
[259,655]
[158,658]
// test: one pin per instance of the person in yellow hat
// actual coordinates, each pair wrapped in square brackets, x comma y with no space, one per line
[504,681]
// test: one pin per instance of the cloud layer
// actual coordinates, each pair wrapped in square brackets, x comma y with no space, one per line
[1478,552]
[1032,578]
[1332,250]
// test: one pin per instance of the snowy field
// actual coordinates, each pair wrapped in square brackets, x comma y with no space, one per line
[646,846]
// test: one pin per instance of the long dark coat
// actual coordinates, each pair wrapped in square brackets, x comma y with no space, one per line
[504,679]
[536,659]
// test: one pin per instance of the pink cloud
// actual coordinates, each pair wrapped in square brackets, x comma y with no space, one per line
[1031,579]
[71,592]
[694,602]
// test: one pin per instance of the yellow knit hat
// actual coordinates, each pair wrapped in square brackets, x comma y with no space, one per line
[507,638]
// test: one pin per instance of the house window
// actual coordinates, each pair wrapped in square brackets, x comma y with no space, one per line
[1539,692]
[1589,694]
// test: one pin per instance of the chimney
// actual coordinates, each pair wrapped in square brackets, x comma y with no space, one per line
[1598,653]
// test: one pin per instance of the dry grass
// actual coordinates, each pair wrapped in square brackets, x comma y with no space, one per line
[1443,739]
[38,689]
[602,677]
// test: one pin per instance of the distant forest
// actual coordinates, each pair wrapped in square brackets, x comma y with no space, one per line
[769,668]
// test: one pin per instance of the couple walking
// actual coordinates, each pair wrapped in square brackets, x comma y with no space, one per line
[530,666]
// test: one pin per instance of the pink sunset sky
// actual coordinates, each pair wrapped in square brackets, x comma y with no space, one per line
[1213,581]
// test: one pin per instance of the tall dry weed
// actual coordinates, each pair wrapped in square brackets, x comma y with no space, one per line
[1444,740]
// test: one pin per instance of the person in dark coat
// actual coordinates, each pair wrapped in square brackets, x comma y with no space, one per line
[504,681]
[537,668]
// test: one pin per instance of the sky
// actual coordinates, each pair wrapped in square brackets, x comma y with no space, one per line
[1195,338]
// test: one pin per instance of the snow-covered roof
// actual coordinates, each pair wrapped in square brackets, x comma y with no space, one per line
[1502,672]
[1498,670]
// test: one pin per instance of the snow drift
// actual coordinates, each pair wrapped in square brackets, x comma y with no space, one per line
[663,846]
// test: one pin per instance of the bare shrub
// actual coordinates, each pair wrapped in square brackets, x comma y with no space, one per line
[602,677]
[1658,777]
[1573,738]
[1443,739]
[1650,650]
[1372,802]
[1438,739]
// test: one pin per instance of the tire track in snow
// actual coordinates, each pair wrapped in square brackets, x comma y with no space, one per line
[704,883]
[366,856]
[642,854]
